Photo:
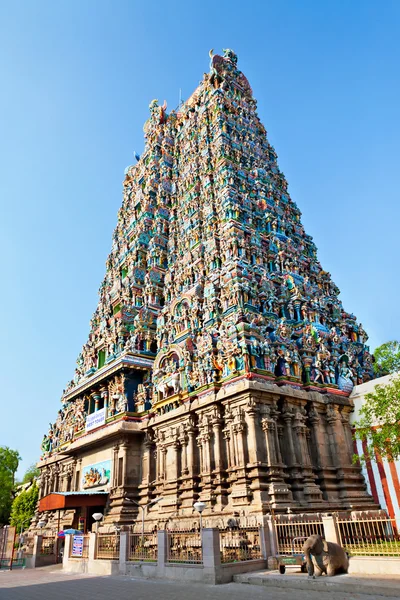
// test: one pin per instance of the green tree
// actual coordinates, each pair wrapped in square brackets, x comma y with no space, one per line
[387,358]
[9,461]
[31,473]
[379,420]
[24,507]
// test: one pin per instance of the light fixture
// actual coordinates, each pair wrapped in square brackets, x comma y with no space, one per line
[199,507]
[97,516]
[143,509]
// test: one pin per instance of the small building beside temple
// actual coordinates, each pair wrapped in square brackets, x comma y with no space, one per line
[220,358]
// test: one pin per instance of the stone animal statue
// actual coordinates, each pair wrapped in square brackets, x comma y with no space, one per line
[324,557]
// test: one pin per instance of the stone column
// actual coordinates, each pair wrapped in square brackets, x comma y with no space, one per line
[311,491]
[239,429]
[37,544]
[274,414]
[162,554]
[67,547]
[175,460]
[201,454]
[163,462]
[115,466]
[265,425]
[316,441]
[345,420]
[252,412]
[291,454]
[335,444]
[191,460]
[206,452]
[146,464]
[210,548]
[92,547]
[330,531]
[183,440]
[124,448]
[123,551]
[216,423]
[332,417]
[227,437]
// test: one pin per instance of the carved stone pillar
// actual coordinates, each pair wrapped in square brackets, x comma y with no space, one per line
[290,455]
[228,437]
[345,419]
[321,456]
[191,458]
[183,441]
[216,423]
[163,465]
[115,466]
[267,428]
[125,476]
[174,467]
[252,412]
[238,429]
[333,420]
[147,458]
[312,493]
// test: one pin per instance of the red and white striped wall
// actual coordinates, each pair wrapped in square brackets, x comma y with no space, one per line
[382,477]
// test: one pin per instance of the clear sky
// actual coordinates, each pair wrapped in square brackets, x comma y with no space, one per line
[77,77]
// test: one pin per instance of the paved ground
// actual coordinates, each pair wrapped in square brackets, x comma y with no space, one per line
[52,583]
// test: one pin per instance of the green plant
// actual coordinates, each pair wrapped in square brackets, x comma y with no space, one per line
[24,507]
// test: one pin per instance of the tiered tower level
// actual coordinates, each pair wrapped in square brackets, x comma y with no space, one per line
[218,341]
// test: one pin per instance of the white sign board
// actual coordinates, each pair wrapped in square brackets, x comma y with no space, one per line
[96,419]
[77,545]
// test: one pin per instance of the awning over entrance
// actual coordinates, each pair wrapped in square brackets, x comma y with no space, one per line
[57,500]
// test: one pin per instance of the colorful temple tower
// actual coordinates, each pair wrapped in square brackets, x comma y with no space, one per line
[220,359]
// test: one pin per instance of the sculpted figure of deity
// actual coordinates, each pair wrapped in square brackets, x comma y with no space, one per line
[346,375]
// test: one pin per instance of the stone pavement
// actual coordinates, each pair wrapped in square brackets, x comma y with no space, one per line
[52,583]
[377,586]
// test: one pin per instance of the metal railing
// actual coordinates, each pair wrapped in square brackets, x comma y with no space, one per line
[47,546]
[143,547]
[369,536]
[184,547]
[107,546]
[79,546]
[291,532]
[241,544]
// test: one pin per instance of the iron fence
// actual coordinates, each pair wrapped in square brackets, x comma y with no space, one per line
[107,546]
[369,536]
[241,544]
[291,532]
[184,547]
[143,547]
[47,545]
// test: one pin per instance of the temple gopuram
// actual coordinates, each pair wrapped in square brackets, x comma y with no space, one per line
[220,359]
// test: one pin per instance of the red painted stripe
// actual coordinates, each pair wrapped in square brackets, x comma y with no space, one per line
[385,485]
[370,472]
[395,478]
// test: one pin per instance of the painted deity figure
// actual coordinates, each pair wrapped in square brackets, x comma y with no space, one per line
[345,378]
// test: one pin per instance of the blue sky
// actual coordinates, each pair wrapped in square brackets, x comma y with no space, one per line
[77,78]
